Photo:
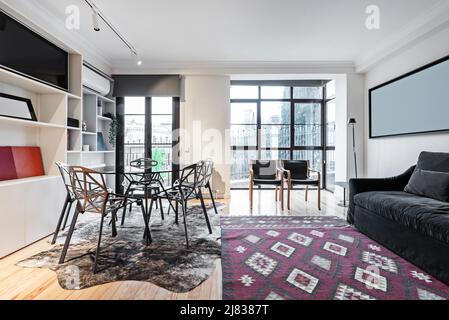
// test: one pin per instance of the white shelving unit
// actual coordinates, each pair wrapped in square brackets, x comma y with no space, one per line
[96,123]
[30,124]
[32,206]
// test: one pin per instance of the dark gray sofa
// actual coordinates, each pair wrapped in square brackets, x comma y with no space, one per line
[414,227]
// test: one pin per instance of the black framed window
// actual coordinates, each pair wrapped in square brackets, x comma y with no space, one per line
[162,133]
[276,121]
[330,109]
[134,128]
[244,124]
[275,124]
[148,126]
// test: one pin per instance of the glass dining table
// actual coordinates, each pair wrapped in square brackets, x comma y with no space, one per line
[146,179]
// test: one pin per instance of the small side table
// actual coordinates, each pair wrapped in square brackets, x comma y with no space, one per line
[344,185]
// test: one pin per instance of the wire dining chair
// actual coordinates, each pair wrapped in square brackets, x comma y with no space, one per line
[92,195]
[185,189]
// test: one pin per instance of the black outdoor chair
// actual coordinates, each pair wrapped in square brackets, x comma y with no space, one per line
[298,172]
[266,173]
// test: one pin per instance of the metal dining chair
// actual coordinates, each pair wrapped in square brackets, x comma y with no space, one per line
[92,195]
[185,189]
[208,168]
[206,175]
[135,184]
[68,202]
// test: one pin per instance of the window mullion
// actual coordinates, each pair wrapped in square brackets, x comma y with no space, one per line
[309,133]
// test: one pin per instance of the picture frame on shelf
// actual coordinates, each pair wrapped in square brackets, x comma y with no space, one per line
[100,142]
[17,107]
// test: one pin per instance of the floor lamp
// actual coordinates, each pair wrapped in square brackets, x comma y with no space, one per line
[352,122]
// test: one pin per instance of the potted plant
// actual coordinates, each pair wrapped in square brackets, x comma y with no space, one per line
[113,130]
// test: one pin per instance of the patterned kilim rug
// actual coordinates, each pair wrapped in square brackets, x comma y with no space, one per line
[166,262]
[315,258]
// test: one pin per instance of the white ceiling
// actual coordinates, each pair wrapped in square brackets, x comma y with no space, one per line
[201,31]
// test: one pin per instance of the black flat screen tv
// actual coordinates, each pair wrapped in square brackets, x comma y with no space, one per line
[25,52]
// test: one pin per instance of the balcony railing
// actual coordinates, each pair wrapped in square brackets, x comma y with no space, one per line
[134,152]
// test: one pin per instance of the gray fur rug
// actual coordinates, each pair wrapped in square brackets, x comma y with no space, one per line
[166,263]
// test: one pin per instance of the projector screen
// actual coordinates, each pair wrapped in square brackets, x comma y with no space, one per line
[417,102]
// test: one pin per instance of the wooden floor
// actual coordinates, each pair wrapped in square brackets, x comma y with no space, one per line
[23,283]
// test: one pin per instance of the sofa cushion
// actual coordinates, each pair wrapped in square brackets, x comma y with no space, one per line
[433,161]
[426,215]
[429,184]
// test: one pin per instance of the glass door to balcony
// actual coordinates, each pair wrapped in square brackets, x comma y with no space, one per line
[148,131]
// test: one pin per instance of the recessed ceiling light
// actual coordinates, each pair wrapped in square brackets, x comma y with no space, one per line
[139,63]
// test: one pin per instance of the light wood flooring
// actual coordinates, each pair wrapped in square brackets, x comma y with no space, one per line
[23,283]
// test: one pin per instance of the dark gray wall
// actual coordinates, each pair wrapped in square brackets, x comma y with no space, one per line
[147,86]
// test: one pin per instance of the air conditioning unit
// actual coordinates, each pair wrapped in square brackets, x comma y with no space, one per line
[96,82]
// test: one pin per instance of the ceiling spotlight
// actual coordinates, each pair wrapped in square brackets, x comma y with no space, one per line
[96,20]
[139,63]
[97,15]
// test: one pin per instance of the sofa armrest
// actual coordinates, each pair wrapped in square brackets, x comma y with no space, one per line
[357,186]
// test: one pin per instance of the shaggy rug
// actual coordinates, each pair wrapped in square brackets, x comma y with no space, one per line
[166,262]
[315,258]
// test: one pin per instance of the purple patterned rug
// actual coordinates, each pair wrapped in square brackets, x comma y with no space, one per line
[315,258]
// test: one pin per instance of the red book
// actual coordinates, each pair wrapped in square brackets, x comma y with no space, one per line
[28,162]
[7,167]
[20,162]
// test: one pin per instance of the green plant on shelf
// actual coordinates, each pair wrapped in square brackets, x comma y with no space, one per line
[114,130]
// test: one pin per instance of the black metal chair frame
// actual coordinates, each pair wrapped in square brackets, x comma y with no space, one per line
[144,182]
[92,195]
[184,190]
[208,171]
[149,184]
[68,202]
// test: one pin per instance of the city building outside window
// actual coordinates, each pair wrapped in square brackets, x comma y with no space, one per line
[282,122]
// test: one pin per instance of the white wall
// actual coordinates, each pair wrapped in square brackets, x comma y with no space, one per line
[205,117]
[355,103]
[393,155]
[341,116]
[349,104]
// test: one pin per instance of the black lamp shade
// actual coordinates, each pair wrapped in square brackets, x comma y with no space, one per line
[352,121]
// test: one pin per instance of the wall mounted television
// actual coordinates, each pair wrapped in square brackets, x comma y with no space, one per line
[25,52]
[417,102]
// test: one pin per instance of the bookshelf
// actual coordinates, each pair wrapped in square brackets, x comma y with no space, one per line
[25,203]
